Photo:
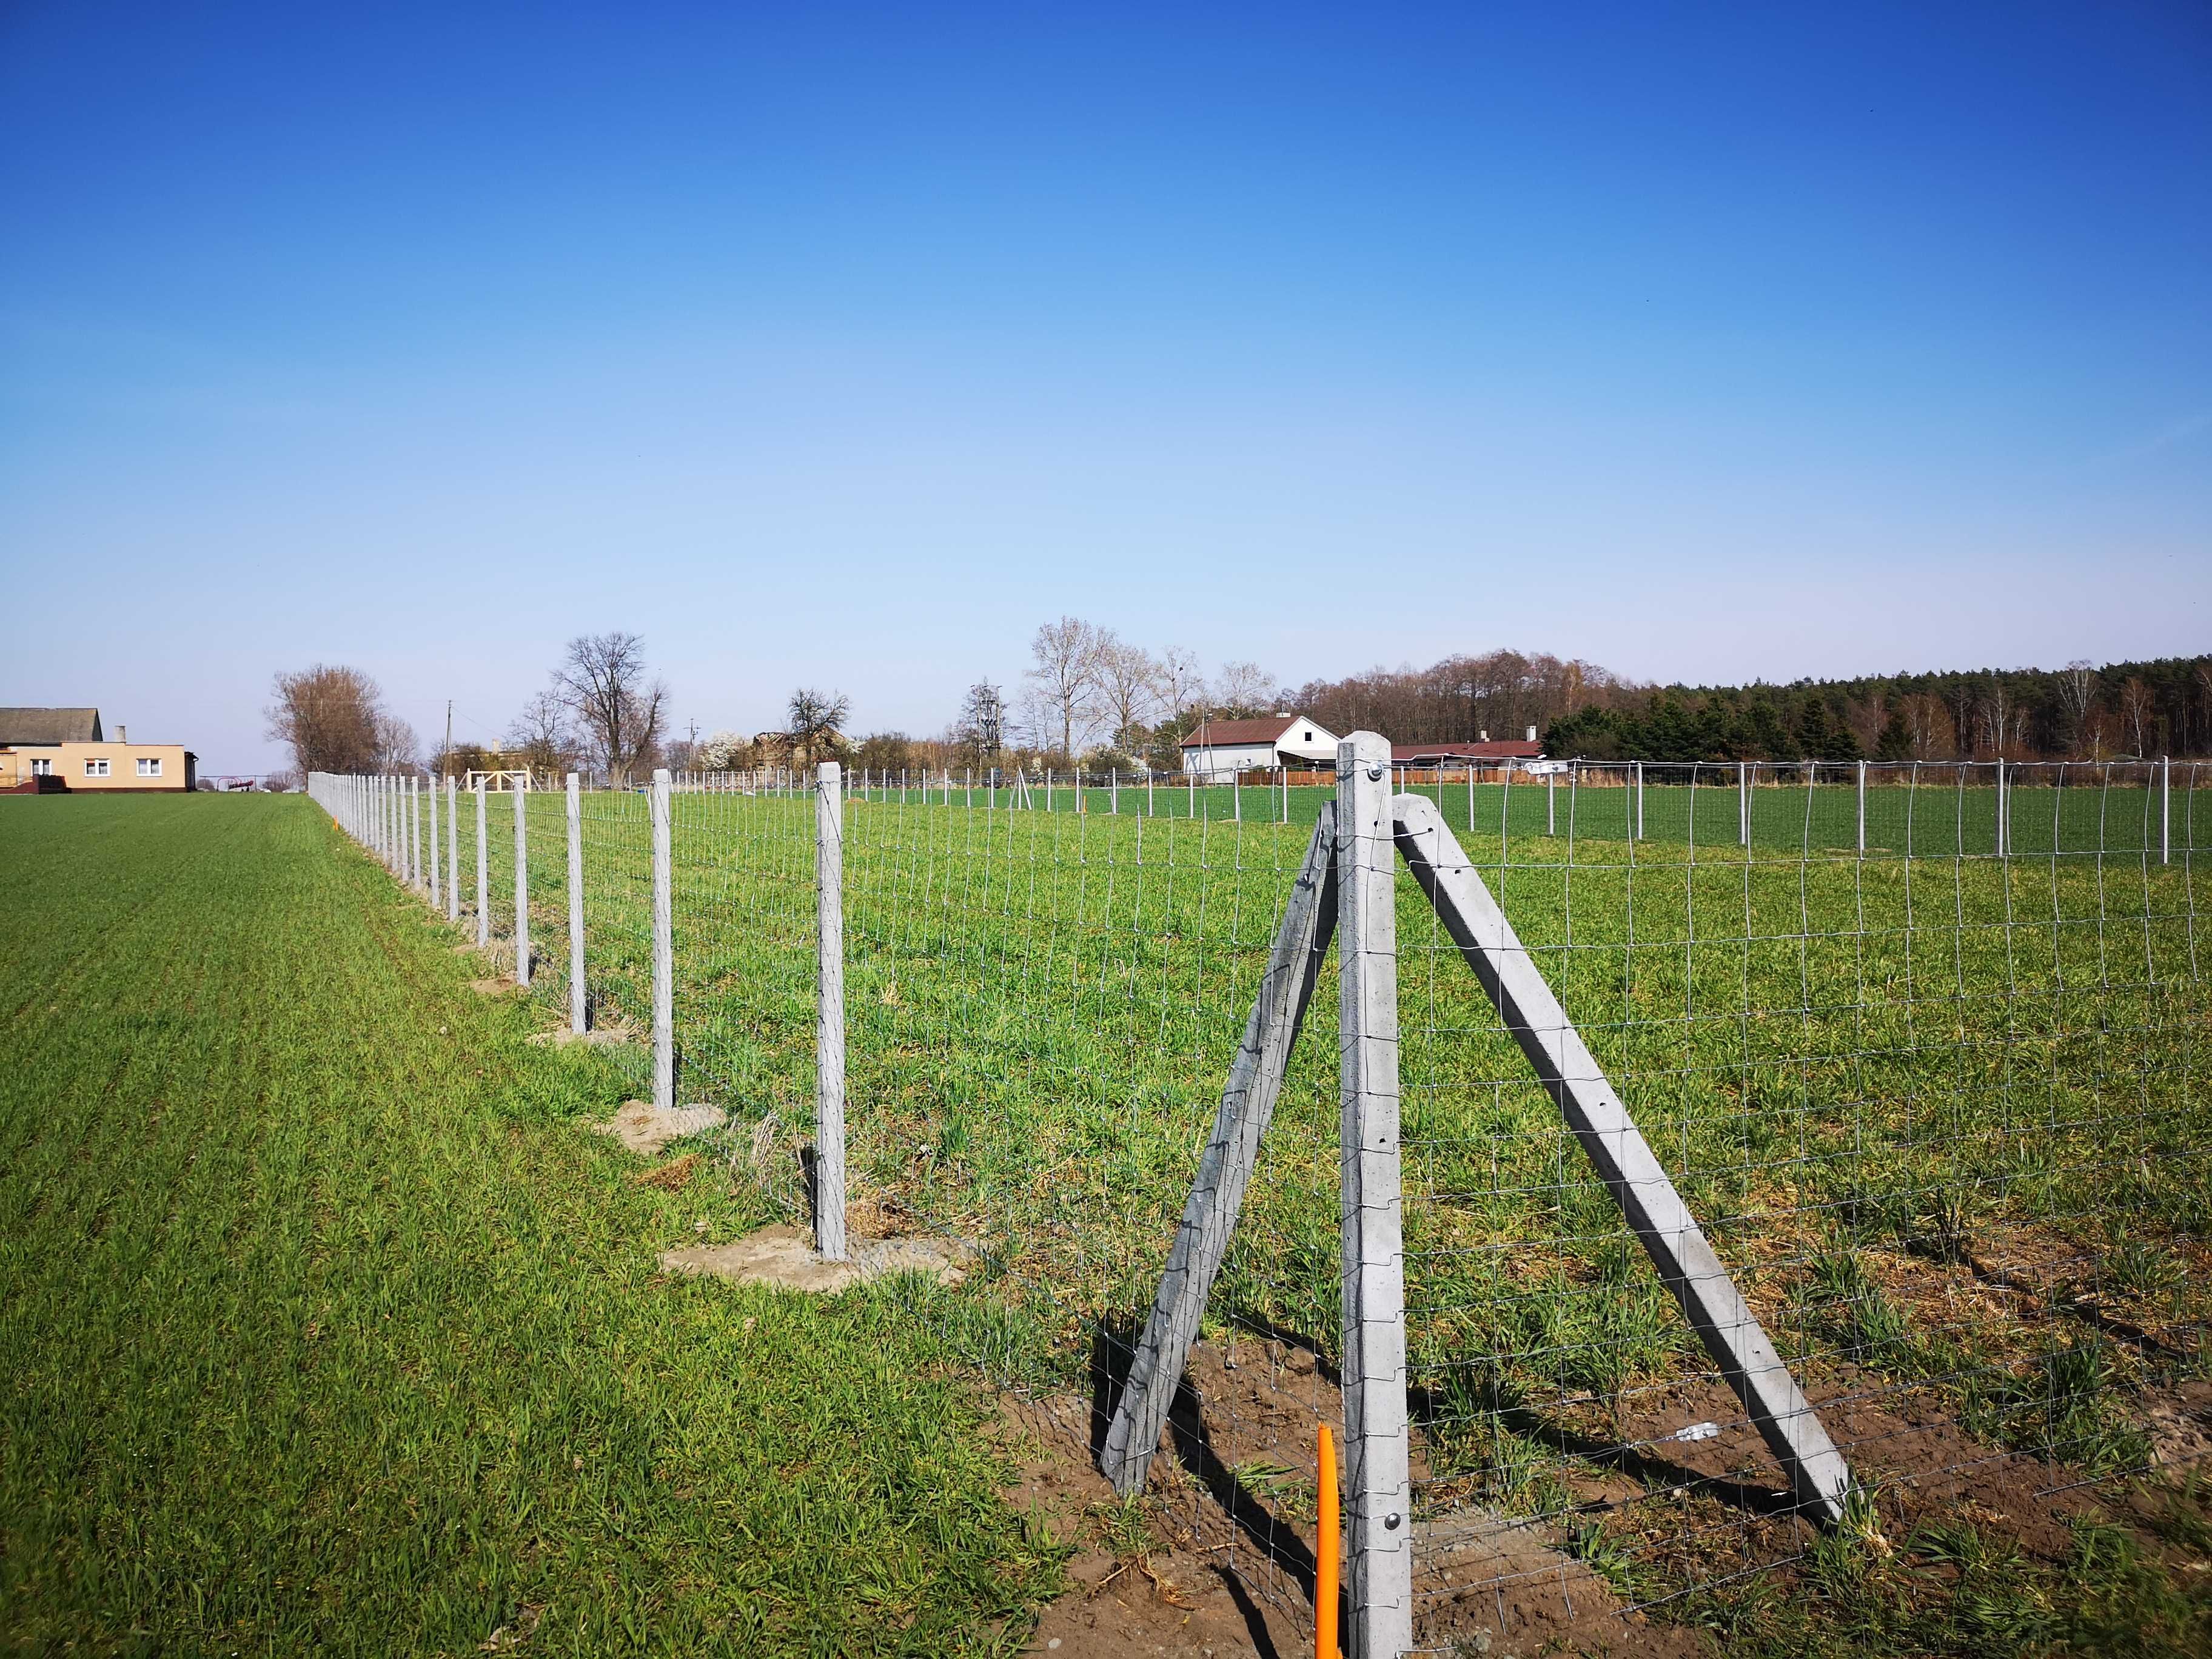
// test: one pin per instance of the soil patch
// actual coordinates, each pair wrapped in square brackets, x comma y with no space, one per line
[1230,1508]
[784,1256]
[644,1128]
[597,1037]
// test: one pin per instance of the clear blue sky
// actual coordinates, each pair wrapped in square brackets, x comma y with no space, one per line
[843,345]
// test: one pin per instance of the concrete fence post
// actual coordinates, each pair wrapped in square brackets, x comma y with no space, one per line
[1742,805]
[1640,801]
[2003,837]
[453,849]
[484,872]
[521,797]
[2166,809]
[1862,809]
[829,1019]
[664,949]
[430,863]
[577,1012]
[1378,1478]
[1551,803]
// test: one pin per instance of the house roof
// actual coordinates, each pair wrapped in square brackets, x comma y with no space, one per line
[1514,749]
[46,725]
[1214,734]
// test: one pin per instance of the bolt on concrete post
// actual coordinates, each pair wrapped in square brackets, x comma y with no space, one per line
[484,872]
[664,949]
[1378,1475]
[829,1019]
[576,1010]
[521,797]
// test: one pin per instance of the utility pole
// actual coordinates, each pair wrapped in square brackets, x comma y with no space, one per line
[449,728]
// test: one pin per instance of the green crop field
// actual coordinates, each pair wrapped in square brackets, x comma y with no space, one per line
[327,1326]
[1852,1066]
[1939,811]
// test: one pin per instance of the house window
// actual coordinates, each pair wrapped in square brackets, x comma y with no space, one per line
[1309,737]
[42,769]
[150,766]
[96,769]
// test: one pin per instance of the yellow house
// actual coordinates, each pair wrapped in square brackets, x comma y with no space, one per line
[67,745]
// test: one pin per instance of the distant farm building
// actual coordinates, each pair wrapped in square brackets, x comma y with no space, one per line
[1454,754]
[59,750]
[1221,749]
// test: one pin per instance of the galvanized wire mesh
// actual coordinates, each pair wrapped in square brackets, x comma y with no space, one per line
[1923,1048]
[1940,1110]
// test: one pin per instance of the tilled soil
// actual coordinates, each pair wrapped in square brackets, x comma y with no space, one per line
[1229,1502]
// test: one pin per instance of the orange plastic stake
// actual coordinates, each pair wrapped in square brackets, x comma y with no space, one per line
[1326,1552]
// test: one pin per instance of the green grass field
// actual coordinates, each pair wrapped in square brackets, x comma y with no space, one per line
[1853,1066]
[328,1327]
[331,1327]
[1940,812]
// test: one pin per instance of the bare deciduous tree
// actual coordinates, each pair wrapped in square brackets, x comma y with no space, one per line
[396,745]
[1244,689]
[603,682]
[1929,723]
[542,736]
[328,718]
[817,722]
[1126,679]
[1066,677]
[1181,687]
[2077,691]
[2137,704]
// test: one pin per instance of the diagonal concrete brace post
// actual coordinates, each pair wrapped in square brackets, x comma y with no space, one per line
[1209,1217]
[1678,1247]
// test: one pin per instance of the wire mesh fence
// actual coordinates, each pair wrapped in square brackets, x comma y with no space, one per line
[1921,1048]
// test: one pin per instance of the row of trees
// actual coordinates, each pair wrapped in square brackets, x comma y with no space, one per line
[2082,711]
[1094,699]
[602,708]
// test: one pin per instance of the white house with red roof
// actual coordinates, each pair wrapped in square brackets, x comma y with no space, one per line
[1221,749]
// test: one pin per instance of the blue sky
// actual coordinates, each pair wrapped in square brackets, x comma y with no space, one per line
[843,345]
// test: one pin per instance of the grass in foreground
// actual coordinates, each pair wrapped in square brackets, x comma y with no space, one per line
[325,1327]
